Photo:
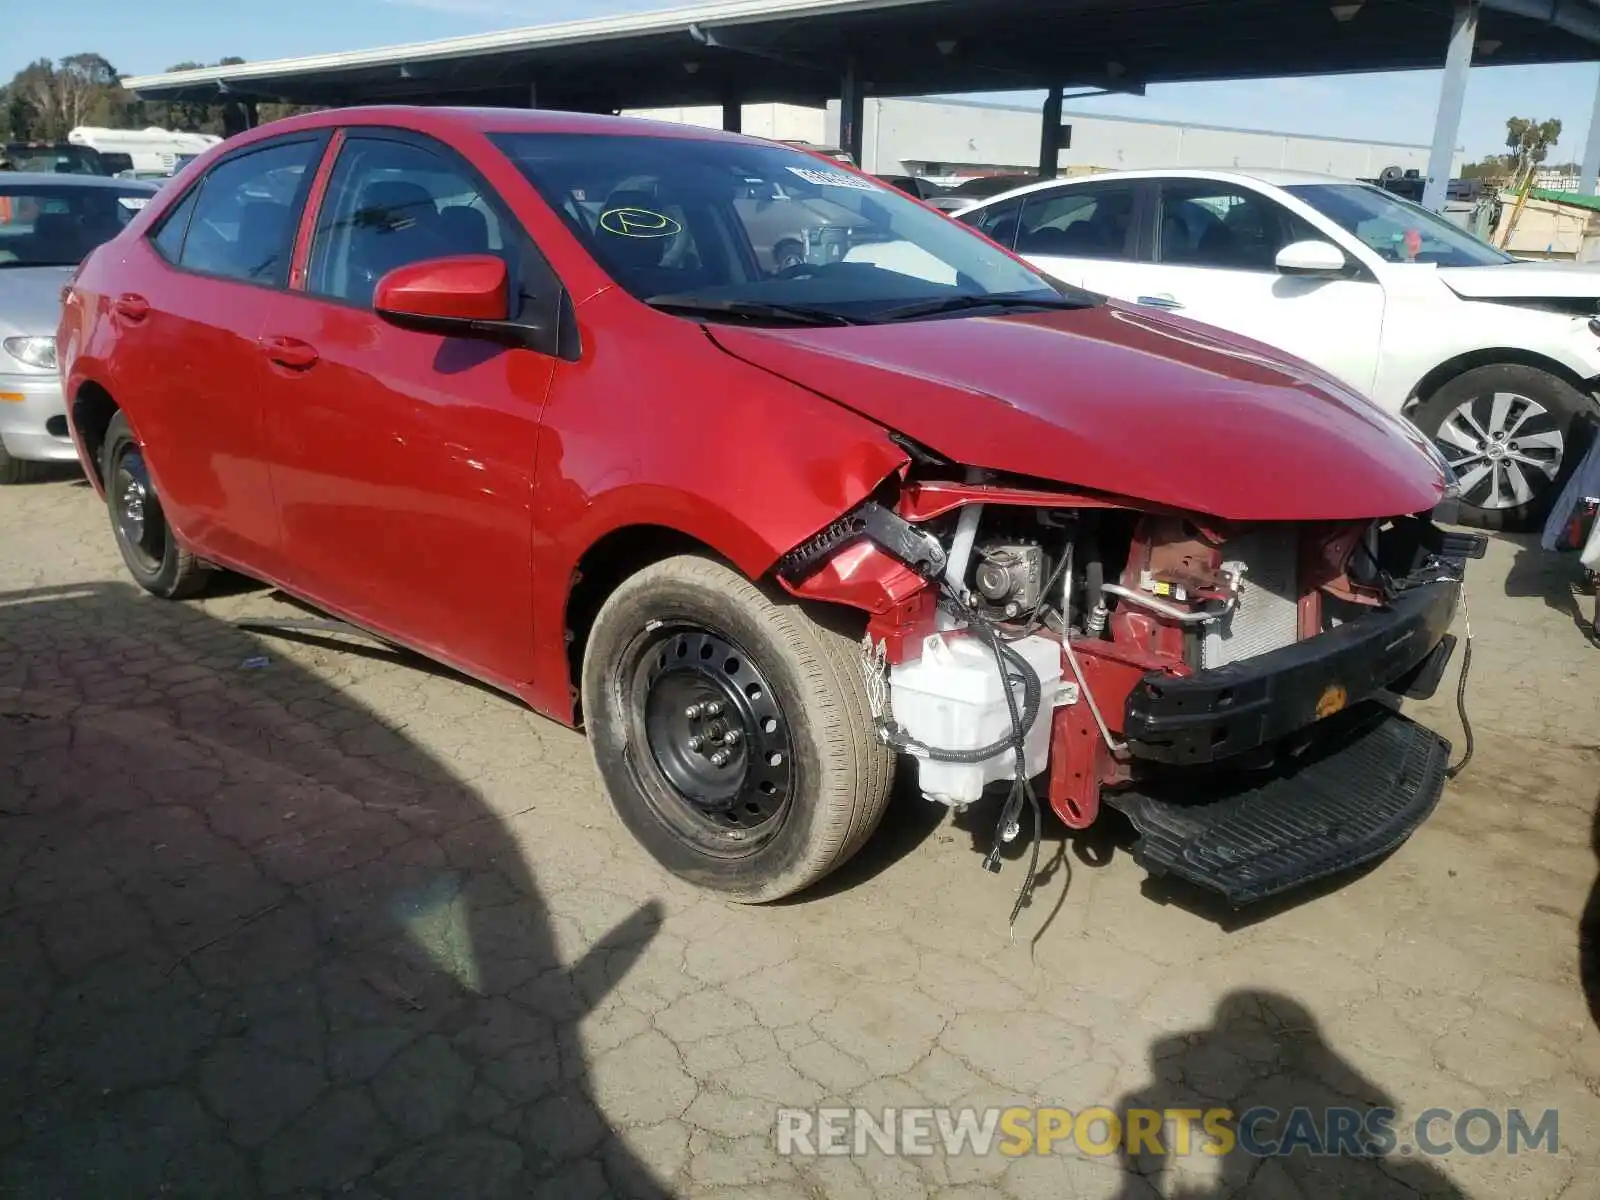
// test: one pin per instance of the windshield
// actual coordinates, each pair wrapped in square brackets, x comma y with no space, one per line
[56,225]
[745,225]
[1396,229]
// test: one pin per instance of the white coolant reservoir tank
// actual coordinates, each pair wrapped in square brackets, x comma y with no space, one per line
[953,698]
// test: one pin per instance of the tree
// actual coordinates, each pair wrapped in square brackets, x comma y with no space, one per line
[1529,142]
[46,100]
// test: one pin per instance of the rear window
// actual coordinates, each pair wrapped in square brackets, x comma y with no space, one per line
[57,225]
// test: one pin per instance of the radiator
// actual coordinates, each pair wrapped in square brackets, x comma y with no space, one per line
[1268,613]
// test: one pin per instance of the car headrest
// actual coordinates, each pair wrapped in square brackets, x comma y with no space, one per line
[396,204]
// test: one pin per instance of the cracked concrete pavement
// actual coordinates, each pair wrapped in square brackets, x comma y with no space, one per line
[343,924]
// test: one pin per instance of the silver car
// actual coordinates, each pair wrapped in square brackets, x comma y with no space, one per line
[48,225]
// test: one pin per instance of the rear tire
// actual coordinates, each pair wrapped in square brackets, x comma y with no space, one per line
[156,561]
[685,653]
[16,470]
[1508,482]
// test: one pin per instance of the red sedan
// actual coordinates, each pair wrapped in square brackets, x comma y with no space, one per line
[764,474]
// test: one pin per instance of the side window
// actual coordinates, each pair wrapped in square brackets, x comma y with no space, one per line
[168,238]
[391,203]
[1218,225]
[998,223]
[243,223]
[1088,221]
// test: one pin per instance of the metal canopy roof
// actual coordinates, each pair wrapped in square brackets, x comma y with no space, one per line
[797,51]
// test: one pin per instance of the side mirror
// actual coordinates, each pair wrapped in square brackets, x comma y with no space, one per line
[1311,257]
[446,295]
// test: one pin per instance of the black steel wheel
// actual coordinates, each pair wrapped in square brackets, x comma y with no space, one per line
[732,730]
[155,559]
[710,740]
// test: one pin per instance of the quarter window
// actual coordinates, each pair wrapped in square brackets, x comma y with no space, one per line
[392,203]
[243,223]
[168,239]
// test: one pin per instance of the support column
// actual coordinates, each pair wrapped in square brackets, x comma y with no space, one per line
[252,115]
[1591,150]
[533,93]
[1452,94]
[852,113]
[1050,136]
[732,116]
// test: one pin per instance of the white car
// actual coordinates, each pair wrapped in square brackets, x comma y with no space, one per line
[1490,356]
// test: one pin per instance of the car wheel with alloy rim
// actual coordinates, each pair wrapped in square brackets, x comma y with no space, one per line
[1504,430]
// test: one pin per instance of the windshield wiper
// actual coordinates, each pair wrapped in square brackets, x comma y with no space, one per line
[950,304]
[752,310]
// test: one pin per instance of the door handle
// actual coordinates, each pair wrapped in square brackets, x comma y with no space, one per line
[131,308]
[290,352]
[1162,301]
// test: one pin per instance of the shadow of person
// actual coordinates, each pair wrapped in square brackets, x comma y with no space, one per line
[254,942]
[1264,1050]
[1557,579]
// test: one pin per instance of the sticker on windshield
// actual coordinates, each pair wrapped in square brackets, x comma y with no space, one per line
[133,202]
[825,178]
[639,223]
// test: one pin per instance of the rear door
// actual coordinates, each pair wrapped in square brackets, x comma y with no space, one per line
[402,460]
[1086,234]
[188,370]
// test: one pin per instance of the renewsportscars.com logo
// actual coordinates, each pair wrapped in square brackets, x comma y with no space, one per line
[1101,1132]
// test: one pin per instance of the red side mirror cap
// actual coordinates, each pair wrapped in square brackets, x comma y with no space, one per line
[466,288]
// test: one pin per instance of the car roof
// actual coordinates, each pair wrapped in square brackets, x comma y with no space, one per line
[447,119]
[51,178]
[1268,177]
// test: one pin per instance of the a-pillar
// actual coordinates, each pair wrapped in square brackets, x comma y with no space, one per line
[1050,136]
[1452,95]
[852,113]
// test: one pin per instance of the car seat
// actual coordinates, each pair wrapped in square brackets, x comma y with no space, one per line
[462,229]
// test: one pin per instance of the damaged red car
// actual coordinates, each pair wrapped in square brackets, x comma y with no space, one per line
[766,475]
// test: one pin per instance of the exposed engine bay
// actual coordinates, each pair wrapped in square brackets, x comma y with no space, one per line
[1018,631]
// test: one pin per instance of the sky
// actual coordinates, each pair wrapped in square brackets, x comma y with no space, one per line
[150,36]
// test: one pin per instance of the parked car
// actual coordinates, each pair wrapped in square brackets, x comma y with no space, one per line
[518,390]
[1492,357]
[913,185]
[975,191]
[57,158]
[47,224]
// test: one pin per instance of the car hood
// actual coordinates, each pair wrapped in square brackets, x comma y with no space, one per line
[1524,281]
[1154,408]
[30,300]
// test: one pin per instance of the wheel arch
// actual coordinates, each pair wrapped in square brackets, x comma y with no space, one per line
[601,569]
[93,406]
[1453,368]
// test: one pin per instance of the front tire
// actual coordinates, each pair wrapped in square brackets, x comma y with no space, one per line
[156,561]
[688,652]
[1505,429]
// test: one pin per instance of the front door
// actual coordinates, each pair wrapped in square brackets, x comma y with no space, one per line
[1215,261]
[403,461]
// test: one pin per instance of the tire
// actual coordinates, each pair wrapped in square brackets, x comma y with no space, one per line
[156,561]
[807,780]
[1528,402]
[16,470]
